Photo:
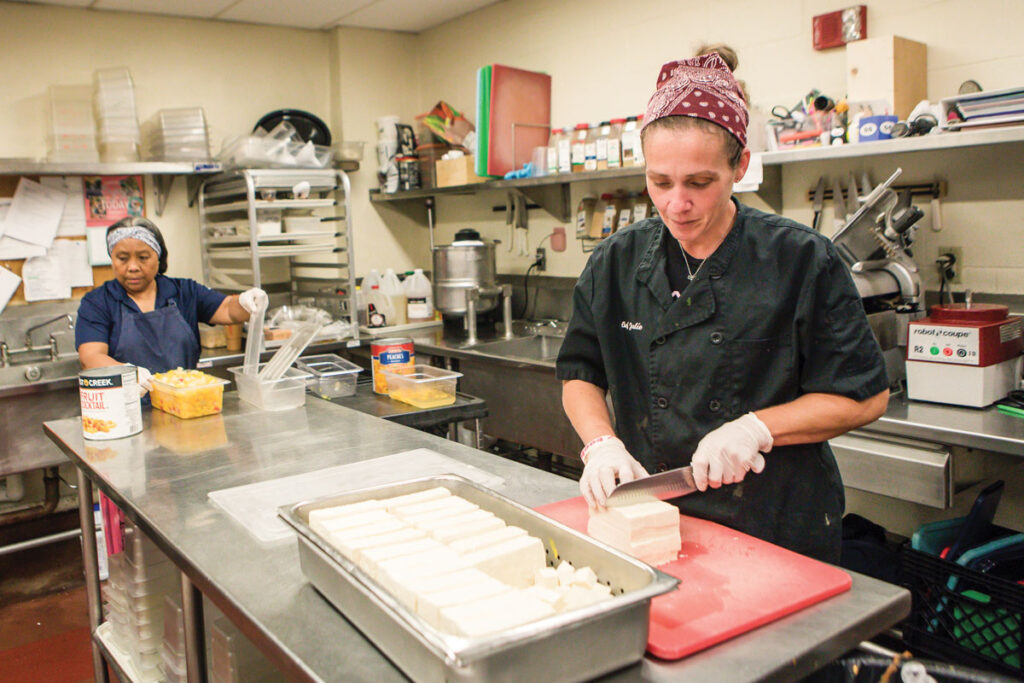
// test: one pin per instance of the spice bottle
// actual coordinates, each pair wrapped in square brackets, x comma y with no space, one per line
[638,149]
[611,214]
[630,142]
[552,161]
[585,215]
[590,148]
[565,151]
[579,147]
[604,132]
[626,210]
[641,207]
[614,143]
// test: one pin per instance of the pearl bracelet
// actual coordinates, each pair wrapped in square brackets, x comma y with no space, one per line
[585,453]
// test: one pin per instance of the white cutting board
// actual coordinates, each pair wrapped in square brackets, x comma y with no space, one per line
[254,506]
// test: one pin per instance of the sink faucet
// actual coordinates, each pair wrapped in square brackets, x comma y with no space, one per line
[5,356]
[28,333]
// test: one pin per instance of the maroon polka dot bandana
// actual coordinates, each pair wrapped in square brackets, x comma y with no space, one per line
[702,87]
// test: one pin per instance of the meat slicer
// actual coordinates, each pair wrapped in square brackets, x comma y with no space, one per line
[875,245]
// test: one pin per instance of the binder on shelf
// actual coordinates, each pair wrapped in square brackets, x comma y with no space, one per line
[514,115]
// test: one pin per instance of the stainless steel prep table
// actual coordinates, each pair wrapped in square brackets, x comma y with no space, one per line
[263,592]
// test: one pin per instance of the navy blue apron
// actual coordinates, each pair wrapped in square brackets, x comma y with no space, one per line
[159,341]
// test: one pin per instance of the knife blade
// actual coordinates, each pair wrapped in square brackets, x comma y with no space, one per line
[839,212]
[661,486]
[818,202]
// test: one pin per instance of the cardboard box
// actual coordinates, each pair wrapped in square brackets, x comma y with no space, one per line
[459,171]
[889,68]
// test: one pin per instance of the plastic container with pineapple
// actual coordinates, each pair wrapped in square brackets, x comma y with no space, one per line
[423,386]
[187,393]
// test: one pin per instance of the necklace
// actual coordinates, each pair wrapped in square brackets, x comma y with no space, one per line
[691,274]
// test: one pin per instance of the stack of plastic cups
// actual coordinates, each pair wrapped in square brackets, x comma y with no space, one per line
[179,135]
[387,151]
[115,112]
[72,127]
[140,578]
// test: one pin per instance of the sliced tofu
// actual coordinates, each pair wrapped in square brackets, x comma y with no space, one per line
[474,543]
[494,614]
[413,585]
[552,596]
[357,547]
[456,532]
[566,572]
[514,562]
[430,604]
[419,497]
[374,557]
[449,503]
[581,596]
[346,540]
[325,527]
[620,526]
[585,577]
[390,573]
[546,577]
[431,520]
[345,510]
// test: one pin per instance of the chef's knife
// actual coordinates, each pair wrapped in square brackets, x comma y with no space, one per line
[662,486]
[818,203]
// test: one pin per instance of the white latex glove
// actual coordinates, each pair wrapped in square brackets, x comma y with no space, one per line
[606,462]
[253,300]
[725,455]
[145,378]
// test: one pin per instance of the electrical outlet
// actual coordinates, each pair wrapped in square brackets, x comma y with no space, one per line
[542,259]
[958,267]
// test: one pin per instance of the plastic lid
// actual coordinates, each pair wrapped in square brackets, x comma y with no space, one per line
[556,131]
[977,313]
[606,123]
[374,286]
[606,196]
[618,121]
[582,126]
[631,118]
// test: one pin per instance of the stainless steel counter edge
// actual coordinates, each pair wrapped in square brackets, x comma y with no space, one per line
[262,590]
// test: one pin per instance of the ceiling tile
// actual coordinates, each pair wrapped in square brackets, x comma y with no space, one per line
[175,8]
[298,13]
[410,15]
[63,3]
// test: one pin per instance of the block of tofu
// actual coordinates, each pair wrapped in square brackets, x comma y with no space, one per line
[474,543]
[552,596]
[418,497]
[344,510]
[390,573]
[374,557]
[580,596]
[514,562]
[325,527]
[585,577]
[647,531]
[344,538]
[546,577]
[415,584]
[450,503]
[565,572]
[467,529]
[430,604]
[431,520]
[494,614]
[354,548]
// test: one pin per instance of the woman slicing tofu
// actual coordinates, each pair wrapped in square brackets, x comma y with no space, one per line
[145,318]
[729,339]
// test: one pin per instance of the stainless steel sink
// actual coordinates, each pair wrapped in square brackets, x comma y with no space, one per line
[23,375]
[538,347]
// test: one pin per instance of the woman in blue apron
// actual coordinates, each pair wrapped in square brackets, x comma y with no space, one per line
[728,339]
[144,318]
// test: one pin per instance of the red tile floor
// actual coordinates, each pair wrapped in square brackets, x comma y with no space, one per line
[44,628]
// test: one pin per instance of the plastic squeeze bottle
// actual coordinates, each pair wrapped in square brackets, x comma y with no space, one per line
[420,297]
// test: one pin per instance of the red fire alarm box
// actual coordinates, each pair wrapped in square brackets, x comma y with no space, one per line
[840,27]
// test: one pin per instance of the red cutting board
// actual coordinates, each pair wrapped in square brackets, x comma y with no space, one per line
[520,117]
[729,583]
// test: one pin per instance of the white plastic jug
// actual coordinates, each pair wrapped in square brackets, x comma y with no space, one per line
[372,279]
[420,297]
[379,312]
[391,287]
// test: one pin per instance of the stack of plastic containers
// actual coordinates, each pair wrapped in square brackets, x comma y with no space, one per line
[72,127]
[178,135]
[141,577]
[115,114]
[173,657]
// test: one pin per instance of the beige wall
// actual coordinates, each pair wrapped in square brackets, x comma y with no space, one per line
[603,57]
[236,72]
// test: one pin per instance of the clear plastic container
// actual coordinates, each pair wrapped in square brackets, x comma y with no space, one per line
[590,148]
[565,151]
[423,386]
[604,132]
[195,400]
[579,147]
[138,548]
[614,143]
[121,565]
[173,667]
[584,215]
[552,153]
[285,393]
[174,629]
[631,143]
[332,375]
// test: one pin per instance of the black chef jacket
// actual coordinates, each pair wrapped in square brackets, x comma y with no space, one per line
[773,314]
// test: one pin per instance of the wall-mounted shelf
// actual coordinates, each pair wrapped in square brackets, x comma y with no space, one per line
[163,172]
[552,192]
